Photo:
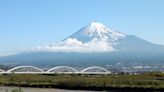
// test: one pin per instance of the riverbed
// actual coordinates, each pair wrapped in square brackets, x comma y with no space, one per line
[9,89]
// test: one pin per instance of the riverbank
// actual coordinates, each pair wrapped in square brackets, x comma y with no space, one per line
[125,83]
[28,89]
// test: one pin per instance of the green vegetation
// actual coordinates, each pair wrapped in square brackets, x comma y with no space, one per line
[153,81]
[17,90]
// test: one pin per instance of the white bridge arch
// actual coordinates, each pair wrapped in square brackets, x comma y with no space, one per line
[57,69]
[25,69]
[62,69]
[95,70]
[2,71]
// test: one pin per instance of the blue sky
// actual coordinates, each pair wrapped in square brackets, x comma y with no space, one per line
[30,23]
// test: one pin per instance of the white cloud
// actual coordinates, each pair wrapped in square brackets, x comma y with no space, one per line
[74,45]
[9,53]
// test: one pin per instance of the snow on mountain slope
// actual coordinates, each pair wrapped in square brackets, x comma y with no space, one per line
[99,31]
[95,37]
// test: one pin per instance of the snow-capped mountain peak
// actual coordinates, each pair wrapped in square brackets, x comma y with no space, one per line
[97,37]
[94,37]
[95,27]
[98,31]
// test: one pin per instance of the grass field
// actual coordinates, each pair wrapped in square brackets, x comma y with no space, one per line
[150,81]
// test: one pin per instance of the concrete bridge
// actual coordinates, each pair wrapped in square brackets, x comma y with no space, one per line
[55,70]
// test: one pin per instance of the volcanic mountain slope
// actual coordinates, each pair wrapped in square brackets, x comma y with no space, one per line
[94,44]
[96,37]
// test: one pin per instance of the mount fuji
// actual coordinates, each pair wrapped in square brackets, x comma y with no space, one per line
[96,37]
[94,44]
